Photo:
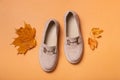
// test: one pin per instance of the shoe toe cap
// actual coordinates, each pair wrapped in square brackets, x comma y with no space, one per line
[74,54]
[48,62]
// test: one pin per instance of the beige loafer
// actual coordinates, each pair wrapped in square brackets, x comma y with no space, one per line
[48,55]
[73,43]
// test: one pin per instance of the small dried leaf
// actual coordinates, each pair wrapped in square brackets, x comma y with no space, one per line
[26,38]
[93,43]
[96,32]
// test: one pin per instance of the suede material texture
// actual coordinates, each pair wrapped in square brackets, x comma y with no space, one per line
[48,55]
[73,46]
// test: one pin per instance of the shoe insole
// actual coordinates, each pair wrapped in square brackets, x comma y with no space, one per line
[72,27]
[51,36]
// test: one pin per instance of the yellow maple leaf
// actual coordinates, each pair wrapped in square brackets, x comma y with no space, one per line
[26,38]
[96,32]
[93,43]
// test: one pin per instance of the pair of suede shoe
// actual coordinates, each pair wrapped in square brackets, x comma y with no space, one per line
[73,42]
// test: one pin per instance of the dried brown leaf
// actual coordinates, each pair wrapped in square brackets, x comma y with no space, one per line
[96,32]
[26,38]
[92,43]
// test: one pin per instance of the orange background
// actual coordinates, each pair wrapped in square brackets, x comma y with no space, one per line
[101,64]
